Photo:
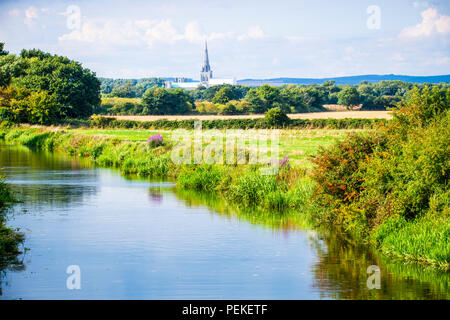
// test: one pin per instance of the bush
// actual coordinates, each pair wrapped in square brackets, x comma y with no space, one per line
[200,178]
[276,117]
[375,185]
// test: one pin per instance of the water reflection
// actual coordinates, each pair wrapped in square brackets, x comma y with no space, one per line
[340,271]
[138,239]
[155,195]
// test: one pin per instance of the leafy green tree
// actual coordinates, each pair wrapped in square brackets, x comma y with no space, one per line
[11,67]
[349,97]
[313,97]
[42,108]
[229,109]
[293,97]
[276,117]
[159,100]
[124,91]
[257,105]
[224,95]
[75,89]
[2,52]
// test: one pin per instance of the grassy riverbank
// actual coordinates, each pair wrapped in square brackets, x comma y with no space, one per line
[9,239]
[422,237]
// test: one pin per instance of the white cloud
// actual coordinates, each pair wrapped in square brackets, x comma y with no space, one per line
[124,32]
[148,32]
[31,14]
[418,4]
[432,23]
[14,12]
[254,32]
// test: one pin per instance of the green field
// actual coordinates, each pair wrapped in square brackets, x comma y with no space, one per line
[298,145]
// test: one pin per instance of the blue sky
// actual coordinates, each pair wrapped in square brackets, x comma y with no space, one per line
[246,39]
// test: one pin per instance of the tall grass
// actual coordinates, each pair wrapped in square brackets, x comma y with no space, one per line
[9,238]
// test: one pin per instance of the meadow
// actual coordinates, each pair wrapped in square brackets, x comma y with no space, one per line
[357,179]
[298,145]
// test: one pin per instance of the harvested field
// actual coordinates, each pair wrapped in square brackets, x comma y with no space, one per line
[312,115]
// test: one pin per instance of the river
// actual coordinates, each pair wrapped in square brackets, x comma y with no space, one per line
[142,239]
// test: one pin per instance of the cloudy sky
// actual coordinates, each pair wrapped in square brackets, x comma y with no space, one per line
[246,38]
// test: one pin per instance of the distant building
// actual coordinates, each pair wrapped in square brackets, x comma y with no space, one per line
[206,77]
[206,72]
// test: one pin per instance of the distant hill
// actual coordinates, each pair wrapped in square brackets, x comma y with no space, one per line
[346,80]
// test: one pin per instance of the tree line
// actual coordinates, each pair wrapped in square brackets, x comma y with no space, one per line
[238,99]
[39,87]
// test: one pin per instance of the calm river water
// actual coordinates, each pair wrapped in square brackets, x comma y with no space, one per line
[138,239]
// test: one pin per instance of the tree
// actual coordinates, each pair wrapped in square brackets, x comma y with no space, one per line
[293,97]
[349,97]
[157,100]
[75,89]
[313,97]
[3,52]
[257,105]
[223,95]
[124,91]
[276,117]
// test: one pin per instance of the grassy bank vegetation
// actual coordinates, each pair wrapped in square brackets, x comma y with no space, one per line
[244,184]
[392,187]
[242,123]
[387,186]
[9,238]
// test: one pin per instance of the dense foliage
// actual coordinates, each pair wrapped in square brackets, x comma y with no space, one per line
[9,238]
[237,99]
[128,88]
[242,123]
[37,87]
[396,179]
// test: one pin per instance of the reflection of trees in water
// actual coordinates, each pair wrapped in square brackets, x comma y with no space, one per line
[279,221]
[340,271]
[10,264]
[35,196]
[22,157]
[41,180]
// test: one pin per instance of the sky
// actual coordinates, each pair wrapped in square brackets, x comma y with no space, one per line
[246,38]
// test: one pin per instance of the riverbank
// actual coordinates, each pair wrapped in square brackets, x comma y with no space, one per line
[291,189]
[9,238]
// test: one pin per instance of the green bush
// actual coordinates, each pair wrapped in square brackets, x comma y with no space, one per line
[200,178]
[276,117]
[396,176]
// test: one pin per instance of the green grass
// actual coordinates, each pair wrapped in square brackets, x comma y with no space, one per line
[290,189]
[299,145]
[425,239]
[122,134]
[9,238]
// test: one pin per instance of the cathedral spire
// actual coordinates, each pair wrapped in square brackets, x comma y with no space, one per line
[206,72]
[206,58]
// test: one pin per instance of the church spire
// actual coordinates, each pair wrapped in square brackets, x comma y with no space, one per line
[206,72]
[206,58]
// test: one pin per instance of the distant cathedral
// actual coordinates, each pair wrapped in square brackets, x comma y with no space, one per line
[206,77]
[206,72]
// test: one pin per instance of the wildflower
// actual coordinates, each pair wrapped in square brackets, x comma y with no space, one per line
[155,140]
[284,163]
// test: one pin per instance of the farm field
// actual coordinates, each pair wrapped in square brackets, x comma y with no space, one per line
[312,115]
[298,145]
